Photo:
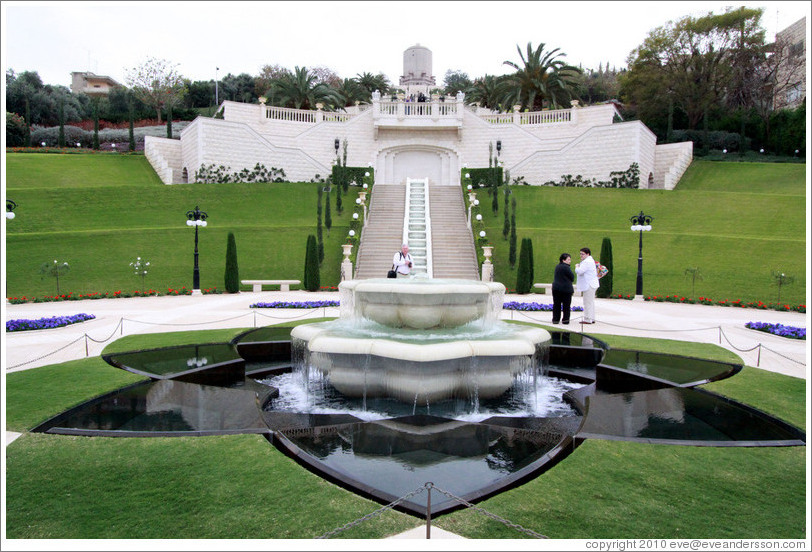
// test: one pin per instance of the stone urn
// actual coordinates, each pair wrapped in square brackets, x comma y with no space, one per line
[487,250]
[347,247]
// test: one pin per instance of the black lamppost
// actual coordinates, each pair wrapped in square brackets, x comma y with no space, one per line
[498,148]
[640,223]
[10,206]
[196,218]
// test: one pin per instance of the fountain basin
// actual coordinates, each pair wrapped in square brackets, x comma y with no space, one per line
[421,304]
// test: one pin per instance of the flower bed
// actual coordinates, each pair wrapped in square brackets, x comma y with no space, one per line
[533,307]
[725,303]
[295,305]
[23,325]
[792,332]
[107,295]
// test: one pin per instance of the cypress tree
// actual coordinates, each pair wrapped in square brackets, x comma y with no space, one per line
[532,262]
[311,269]
[339,205]
[132,124]
[169,121]
[524,282]
[61,140]
[27,138]
[506,225]
[319,233]
[605,289]
[232,273]
[95,123]
[512,247]
[328,219]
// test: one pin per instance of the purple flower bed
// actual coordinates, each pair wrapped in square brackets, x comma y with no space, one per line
[792,332]
[531,307]
[46,323]
[295,305]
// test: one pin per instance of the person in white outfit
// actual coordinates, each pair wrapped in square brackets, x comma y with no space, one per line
[587,283]
[403,262]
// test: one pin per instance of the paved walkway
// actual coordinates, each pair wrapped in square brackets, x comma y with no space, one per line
[723,326]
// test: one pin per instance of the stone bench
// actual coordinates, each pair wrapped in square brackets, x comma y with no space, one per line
[284,285]
[544,288]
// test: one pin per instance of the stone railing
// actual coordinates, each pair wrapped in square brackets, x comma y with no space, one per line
[288,114]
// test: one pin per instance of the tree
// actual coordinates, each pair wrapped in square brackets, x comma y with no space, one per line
[455,81]
[301,90]
[524,274]
[350,92]
[512,246]
[371,83]
[695,274]
[232,272]
[328,218]
[157,83]
[691,62]
[319,232]
[95,123]
[16,130]
[605,289]
[311,270]
[268,74]
[61,139]
[486,91]
[541,80]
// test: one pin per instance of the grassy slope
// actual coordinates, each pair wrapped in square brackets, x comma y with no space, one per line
[735,221]
[207,487]
[100,229]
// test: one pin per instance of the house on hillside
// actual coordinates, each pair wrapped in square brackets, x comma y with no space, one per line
[435,138]
[91,84]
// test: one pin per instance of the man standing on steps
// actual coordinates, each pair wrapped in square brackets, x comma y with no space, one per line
[403,262]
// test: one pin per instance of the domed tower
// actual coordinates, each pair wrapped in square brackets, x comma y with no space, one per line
[417,75]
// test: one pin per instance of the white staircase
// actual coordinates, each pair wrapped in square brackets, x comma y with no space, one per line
[417,226]
[452,244]
[382,235]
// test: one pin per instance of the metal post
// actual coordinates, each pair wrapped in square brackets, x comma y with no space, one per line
[640,266]
[196,273]
[428,511]
[87,352]
[758,362]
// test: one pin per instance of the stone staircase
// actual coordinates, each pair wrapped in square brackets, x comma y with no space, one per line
[452,244]
[164,154]
[441,243]
[382,236]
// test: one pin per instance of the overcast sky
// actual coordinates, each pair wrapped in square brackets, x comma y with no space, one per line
[109,38]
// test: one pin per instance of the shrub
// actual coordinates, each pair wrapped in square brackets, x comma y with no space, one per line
[232,274]
[524,274]
[605,289]
[311,270]
[15,130]
[50,135]
[481,178]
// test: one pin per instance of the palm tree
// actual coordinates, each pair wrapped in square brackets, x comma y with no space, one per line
[301,90]
[372,82]
[541,80]
[486,91]
[350,92]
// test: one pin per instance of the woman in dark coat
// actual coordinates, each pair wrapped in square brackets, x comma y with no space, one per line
[562,289]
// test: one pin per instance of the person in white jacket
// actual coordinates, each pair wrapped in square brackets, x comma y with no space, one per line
[403,262]
[587,283]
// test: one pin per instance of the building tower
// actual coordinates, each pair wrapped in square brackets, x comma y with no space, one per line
[417,75]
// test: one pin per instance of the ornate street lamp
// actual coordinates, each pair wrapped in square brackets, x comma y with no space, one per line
[10,206]
[196,218]
[640,223]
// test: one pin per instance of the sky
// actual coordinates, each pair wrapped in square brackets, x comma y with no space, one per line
[209,39]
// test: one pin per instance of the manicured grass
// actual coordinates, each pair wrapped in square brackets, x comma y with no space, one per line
[241,487]
[99,229]
[737,222]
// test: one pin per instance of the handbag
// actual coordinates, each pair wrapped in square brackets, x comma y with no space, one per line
[602,270]
[392,273]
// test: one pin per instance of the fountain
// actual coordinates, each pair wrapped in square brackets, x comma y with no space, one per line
[419,340]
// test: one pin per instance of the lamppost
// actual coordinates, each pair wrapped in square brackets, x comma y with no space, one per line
[640,223]
[10,206]
[196,218]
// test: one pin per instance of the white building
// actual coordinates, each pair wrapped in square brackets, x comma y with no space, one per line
[434,139]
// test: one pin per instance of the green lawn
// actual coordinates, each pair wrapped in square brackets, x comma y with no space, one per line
[736,222]
[241,487]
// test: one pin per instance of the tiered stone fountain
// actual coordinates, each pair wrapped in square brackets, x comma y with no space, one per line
[419,340]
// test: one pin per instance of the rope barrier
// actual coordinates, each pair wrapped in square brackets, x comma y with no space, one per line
[46,354]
